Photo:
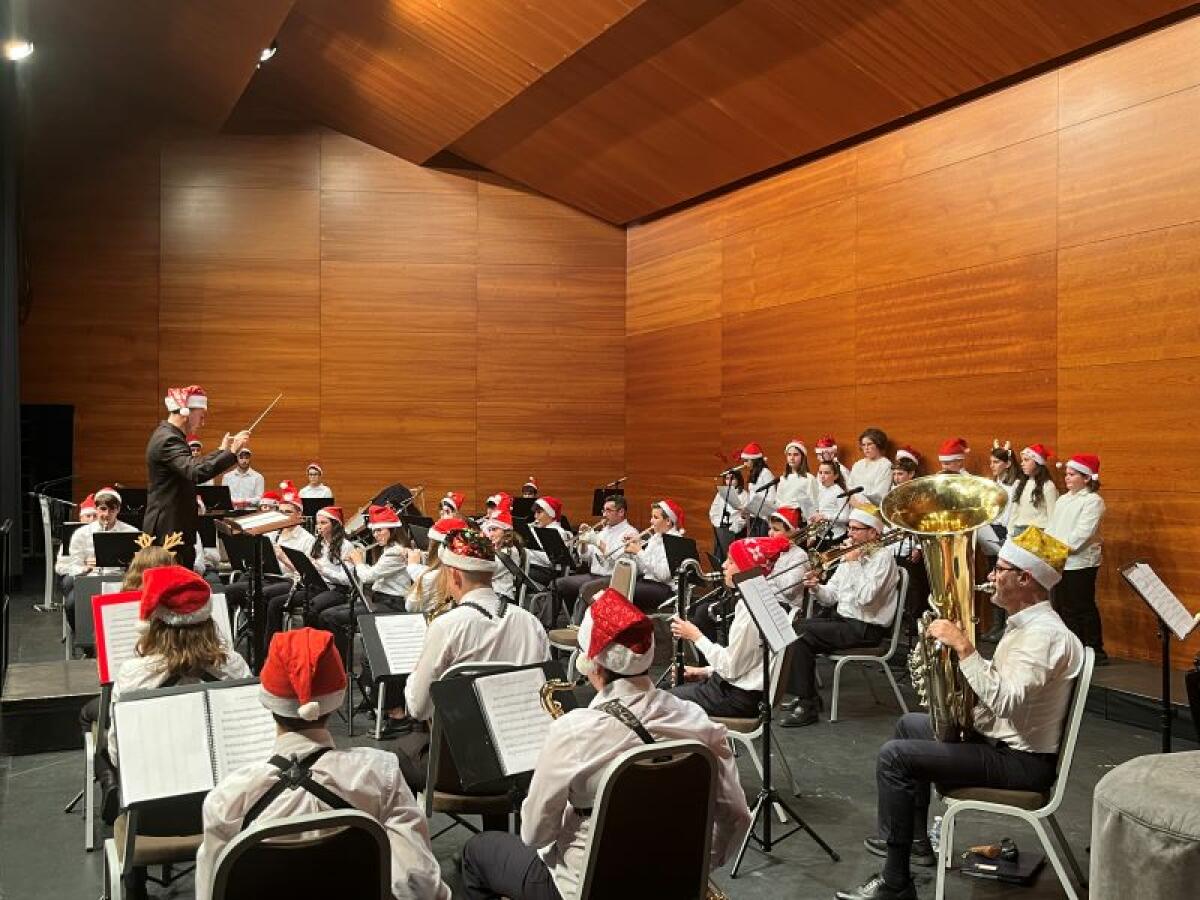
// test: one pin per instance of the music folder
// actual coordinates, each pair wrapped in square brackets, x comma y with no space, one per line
[313,504]
[393,641]
[415,519]
[600,494]
[114,549]
[522,508]
[91,586]
[494,723]
[116,619]
[679,549]
[764,605]
[215,497]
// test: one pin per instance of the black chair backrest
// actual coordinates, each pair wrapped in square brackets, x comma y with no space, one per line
[345,864]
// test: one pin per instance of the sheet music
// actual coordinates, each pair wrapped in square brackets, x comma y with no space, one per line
[761,506]
[164,747]
[263,519]
[403,638]
[730,496]
[763,601]
[243,730]
[110,587]
[121,633]
[1161,599]
[515,718]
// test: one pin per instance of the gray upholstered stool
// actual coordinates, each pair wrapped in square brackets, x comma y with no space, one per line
[1146,829]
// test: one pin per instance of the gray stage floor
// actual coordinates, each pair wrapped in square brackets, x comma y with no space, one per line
[42,856]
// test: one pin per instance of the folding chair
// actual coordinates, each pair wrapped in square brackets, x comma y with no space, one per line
[881,658]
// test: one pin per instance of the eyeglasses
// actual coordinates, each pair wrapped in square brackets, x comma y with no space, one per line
[999,568]
[853,527]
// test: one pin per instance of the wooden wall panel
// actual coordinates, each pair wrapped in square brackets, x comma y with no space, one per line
[675,290]
[518,226]
[350,165]
[552,301]
[436,227]
[265,223]
[675,364]
[247,161]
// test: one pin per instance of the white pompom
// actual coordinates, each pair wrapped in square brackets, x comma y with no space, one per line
[310,711]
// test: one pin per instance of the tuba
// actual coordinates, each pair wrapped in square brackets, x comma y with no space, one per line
[943,511]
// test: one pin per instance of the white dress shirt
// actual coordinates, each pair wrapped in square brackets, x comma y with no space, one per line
[874,476]
[322,491]
[1024,513]
[719,508]
[652,559]
[465,635]
[787,575]
[1025,690]
[331,569]
[797,492]
[83,547]
[365,777]
[244,487]
[503,581]
[143,673]
[1076,522]
[611,536]
[834,508]
[740,663]
[864,589]
[389,575]
[578,750]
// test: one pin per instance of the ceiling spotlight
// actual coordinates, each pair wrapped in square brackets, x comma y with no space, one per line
[268,52]
[15,51]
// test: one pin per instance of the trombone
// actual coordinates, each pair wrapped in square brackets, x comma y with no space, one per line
[823,562]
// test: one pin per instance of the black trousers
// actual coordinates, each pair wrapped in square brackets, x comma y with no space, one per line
[824,636]
[566,589]
[718,697]
[1075,602]
[499,864]
[913,760]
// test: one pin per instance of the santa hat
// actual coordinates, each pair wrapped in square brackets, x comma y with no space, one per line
[952,449]
[194,440]
[907,452]
[1038,452]
[747,553]
[293,497]
[615,635]
[303,677]
[552,506]
[1037,553]
[285,486]
[270,498]
[106,493]
[1086,464]
[467,550]
[672,510]
[752,451]
[826,443]
[530,483]
[867,514]
[795,444]
[788,515]
[317,466]
[88,504]
[454,500]
[175,595]
[500,500]
[334,513]
[442,527]
[501,520]
[382,517]
[180,399]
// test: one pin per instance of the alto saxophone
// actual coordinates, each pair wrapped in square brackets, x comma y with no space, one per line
[556,686]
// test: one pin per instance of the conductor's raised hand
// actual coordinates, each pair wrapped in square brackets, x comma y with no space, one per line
[240,440]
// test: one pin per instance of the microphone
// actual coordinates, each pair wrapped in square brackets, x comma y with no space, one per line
[850,493]
[731,470]
[771,484]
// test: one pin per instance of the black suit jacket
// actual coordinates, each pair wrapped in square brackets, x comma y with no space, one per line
[171,478]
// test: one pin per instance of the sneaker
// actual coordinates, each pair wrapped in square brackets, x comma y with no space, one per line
[922,851]
[875,888]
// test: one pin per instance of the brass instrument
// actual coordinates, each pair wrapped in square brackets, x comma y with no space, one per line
[943,511]
[589,534]
[444,606]
[812,533]
[823,562]
[988,587]
[556,686]
[621,549]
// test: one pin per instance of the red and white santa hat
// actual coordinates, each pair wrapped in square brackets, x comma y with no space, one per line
[175,595]
[907,452]
[672,510]
[333,513]
[285,486]
[501,520]
[615,635]
[867,514]
[181,399]
[106,493]
[382,517]
[293,498]
[1086,464]
[789,515]
[500,500]
[467,550]
[1039,453]
[795,444]
[552,506]
[270,498]
[315,465]
[303,677]
[194,440]
[752,451]
[826,444]
[952,449]
[530,483]
[454,500]
[747,553]
[88,504]
[442,527]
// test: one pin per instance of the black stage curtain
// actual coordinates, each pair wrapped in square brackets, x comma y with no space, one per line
[11,288]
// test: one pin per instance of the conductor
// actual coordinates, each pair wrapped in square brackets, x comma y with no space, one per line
[173,473]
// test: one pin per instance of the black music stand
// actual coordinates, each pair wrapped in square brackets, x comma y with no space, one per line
[775,633]
[522,508]
[526,534]
[520,577]
[679,549]
[133,505]
[356,593]
[215,497]
[551,541]
[312,505]
[601,494]
[378,659]
[115,549]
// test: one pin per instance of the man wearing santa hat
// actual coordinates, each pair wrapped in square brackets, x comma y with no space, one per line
[173,473]
[302,684]
[616,644]
[1023,693]
[82,553]
[863,590]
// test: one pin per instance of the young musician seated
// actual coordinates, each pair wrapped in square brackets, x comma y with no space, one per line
[82,555]
[428,590]
[863,592]
[826,449]
[616,643]
[595,549]
[953,456]
[1023,694]
[195,445]
[180,645]
[315,487]
[833,504]
[246,486]
[62,562]
[328,552]
[530,489]
[302,684]
[732,683]
[481,627]
[450,506]
[499,502]
[547,513]
[499,530]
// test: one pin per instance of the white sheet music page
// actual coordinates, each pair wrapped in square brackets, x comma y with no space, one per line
[513,710]
[270,519]
[242,728]
[402,637]
[1161,599]
[121,633]
[110,587]
[763,601]
[164,747]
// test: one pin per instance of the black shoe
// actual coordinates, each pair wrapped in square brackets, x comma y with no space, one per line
[803,714]
[922,851]
[874,888]
[1101,658]
[394,728]
[790,705]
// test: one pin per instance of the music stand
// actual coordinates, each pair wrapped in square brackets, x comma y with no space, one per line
[133,505]
[520,576]
[775,633]
[314,504]
[522,508]
[115,549]
[356,593]
[601,494]
[66,531]
[551,541]
[415,520]
[215,497]
[679,549]
[389,653]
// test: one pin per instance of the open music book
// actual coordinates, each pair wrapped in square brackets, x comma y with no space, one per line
[515,719]
[1145,581]
[116,621]
[763,603]
[393,641]
[180,741]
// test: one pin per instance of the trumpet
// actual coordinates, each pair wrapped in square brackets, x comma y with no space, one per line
[823,562]
[589,534]
[812,532]
[621,549]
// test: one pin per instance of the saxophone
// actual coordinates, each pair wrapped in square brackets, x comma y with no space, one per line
[943,511]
